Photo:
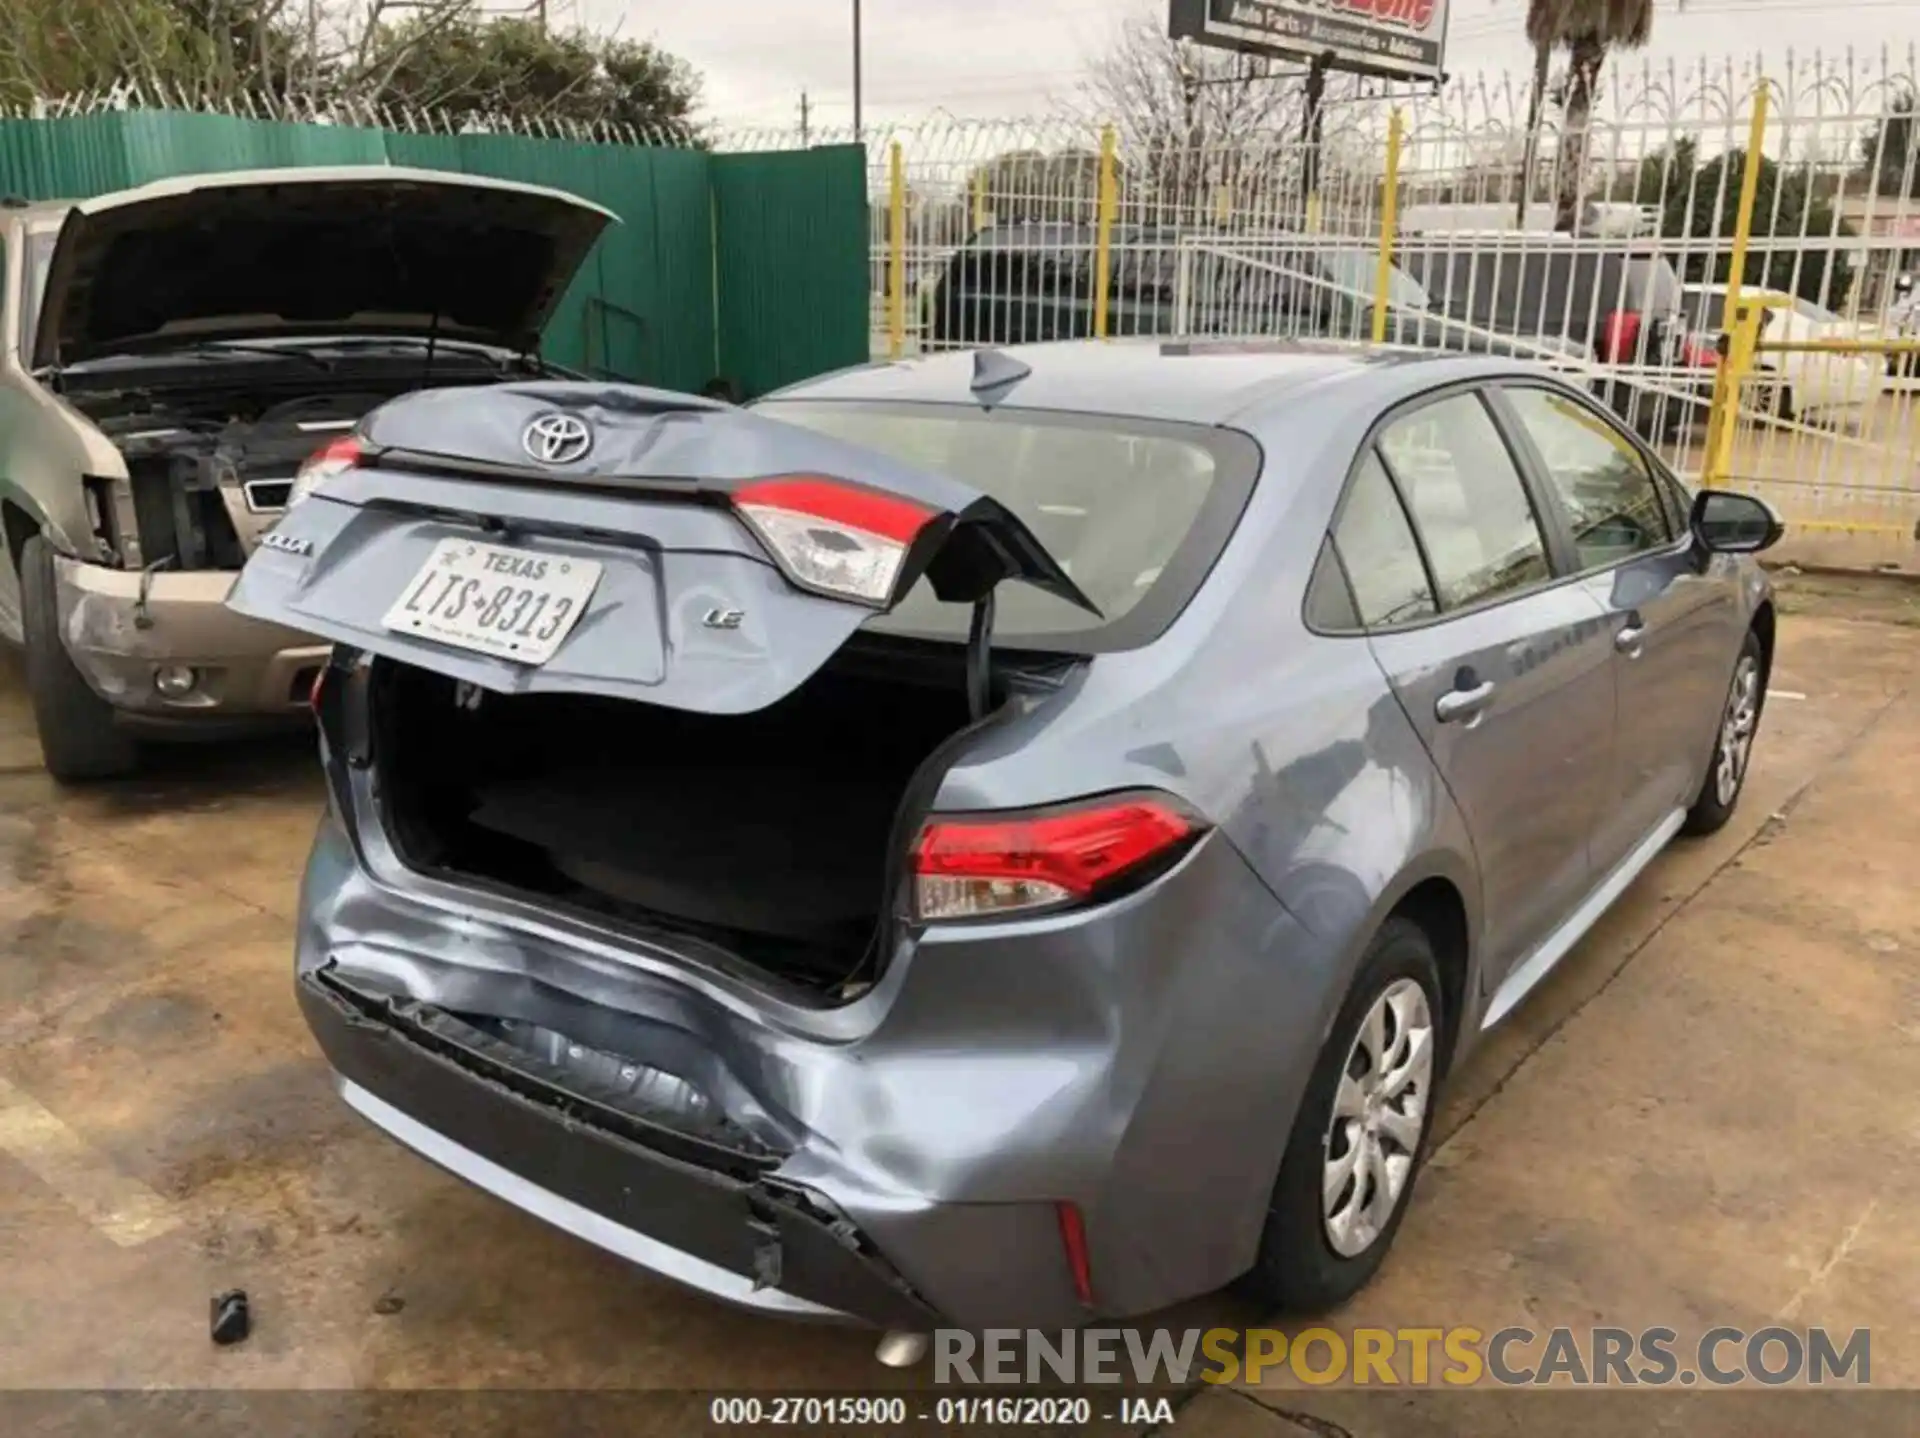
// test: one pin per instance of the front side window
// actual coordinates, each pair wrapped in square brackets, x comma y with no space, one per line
[1612,503]
[1467,500]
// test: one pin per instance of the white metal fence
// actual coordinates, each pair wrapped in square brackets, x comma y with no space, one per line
[1000,240]
[1231,239]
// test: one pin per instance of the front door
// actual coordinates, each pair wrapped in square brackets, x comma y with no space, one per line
[1508,677]
[1667,618]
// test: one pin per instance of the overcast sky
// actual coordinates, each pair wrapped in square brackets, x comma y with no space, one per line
[1015,57]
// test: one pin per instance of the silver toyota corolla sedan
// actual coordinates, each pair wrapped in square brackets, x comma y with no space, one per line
[1007,839]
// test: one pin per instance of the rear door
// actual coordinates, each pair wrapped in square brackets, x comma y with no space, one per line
[632,543]
[1503,671]
[1672,628]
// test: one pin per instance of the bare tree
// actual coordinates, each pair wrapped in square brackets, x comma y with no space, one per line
[1197,125]
[450,57]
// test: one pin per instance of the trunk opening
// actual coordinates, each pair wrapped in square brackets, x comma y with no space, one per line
[773,838]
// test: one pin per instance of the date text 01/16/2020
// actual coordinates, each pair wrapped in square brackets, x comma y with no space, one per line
[886,1413]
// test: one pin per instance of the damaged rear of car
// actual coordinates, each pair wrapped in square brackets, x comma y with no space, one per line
[649,900]
[174,354]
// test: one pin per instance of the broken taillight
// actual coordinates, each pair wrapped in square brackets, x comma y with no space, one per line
[336,456]
[832,537]
[979,866]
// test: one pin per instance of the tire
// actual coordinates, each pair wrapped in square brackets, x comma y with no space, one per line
[79,737]
[1301,1268]
[1739,724]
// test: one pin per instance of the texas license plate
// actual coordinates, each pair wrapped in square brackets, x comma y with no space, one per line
[510,603]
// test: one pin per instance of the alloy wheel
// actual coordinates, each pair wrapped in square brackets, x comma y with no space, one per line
[1380,1113]
[1736,730]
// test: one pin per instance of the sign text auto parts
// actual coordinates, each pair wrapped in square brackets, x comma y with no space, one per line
[1391,37]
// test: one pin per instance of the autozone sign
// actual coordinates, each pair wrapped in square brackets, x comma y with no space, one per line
[1374,37]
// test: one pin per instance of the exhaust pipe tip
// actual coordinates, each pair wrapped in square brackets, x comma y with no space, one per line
[899,1349]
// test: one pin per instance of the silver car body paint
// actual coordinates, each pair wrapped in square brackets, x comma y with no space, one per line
[1144,1058]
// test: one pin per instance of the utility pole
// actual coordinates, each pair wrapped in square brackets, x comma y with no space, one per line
[856,71]
[804,115]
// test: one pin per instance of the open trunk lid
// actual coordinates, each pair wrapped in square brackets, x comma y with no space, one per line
[626,542]
[368,249]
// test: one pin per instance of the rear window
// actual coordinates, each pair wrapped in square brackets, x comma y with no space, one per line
[1135,512]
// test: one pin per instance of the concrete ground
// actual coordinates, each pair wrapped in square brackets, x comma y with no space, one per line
[1708,1115]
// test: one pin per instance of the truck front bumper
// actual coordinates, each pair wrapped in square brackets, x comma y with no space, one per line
[129,633]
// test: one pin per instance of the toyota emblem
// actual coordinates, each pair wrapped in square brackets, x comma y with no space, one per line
[555,438]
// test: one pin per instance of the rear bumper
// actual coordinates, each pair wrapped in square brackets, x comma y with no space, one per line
[733,1238]
[1142,1061]
[120,637]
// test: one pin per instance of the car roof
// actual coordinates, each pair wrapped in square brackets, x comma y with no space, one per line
[1225,384]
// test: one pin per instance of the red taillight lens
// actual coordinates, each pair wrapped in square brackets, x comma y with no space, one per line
[1073,1239]
[334,457]
[981,866]
[831,536]
[1619,337]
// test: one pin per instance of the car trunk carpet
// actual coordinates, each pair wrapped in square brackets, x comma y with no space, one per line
[781,852]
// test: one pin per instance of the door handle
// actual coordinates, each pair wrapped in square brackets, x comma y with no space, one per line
[1628,639]
[1458,704]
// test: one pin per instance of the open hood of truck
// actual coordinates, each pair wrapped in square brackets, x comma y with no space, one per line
[614,540]
[360,249]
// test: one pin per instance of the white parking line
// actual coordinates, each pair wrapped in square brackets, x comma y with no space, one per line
[124,1210]
[1784,694]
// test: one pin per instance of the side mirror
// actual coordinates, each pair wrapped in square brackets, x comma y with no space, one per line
[1727,523]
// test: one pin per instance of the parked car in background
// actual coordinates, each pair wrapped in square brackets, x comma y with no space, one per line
[1022,283]
[1831,385]
[1002,839]
[169,356]
[1623,300]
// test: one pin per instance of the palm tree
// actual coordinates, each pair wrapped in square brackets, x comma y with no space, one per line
[1586,30]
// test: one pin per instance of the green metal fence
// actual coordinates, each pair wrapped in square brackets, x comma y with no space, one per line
[751,267]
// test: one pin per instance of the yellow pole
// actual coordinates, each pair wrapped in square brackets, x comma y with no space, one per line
[1103,248]
[980,198]
[896,254]
[1717,463]
[1389,229]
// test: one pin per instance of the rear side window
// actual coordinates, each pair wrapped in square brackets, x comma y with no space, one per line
[1135,512]
[1612,504]
[1467,500]
[1378,550]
